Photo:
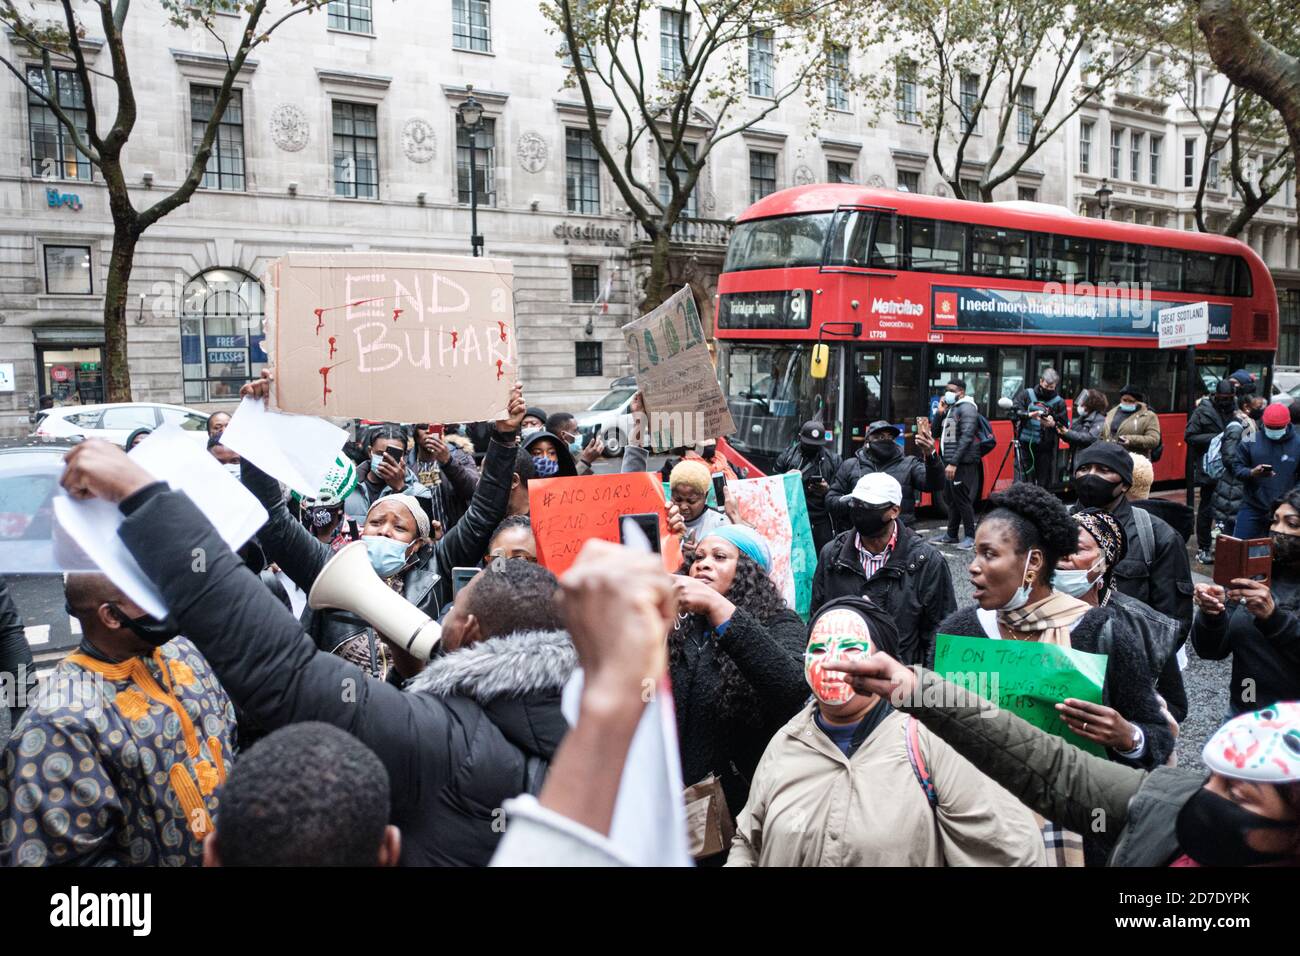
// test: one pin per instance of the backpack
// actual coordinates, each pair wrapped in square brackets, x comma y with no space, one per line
[1212,461]
[984,434]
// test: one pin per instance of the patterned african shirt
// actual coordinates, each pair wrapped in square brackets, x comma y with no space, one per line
[117,764]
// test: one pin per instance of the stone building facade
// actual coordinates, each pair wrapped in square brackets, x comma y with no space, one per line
[344,137]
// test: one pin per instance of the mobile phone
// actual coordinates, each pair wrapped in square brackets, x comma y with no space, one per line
[923,426]
[393,454]
[648,525]
[432,429]
[1268,470]
[1242,558]
[720,489]
[461,577]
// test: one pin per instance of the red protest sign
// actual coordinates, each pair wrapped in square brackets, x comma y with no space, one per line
[567,512]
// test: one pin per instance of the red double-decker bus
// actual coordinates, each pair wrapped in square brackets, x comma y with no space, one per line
[910,291]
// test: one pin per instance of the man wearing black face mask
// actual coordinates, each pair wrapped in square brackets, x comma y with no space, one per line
[1156,570]
[811,456]
[1208,420]
[128,740]
[881,452]
[883,560]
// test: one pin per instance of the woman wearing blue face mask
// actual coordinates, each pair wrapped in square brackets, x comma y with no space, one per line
[551,457]
[1018,547]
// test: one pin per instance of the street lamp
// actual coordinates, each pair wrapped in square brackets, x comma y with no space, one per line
[1104,193]
[470,113]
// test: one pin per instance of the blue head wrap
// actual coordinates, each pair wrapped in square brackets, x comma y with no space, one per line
[748,541]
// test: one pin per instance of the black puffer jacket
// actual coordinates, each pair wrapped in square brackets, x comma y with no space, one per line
[474,730]
[1203,424]
[727,737]
[1084,430]
[907,470]
[914,588]
[427,584]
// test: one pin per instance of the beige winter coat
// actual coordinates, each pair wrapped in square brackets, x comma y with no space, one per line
[809,805]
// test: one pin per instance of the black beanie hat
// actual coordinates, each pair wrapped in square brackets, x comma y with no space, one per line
[1110,455]
[1134,390]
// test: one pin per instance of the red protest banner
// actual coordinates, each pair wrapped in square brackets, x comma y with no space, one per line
[567,512]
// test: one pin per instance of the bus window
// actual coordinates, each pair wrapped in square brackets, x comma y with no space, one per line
[971,365]
[868,389]
[1207,273]
[1164,268]
[936,246]
[1108,372]
[784,242]
[1158,372]
[999,252]
[771,394]
[1011,377]
[1242,284]
[905,398]
[1061,258]
[1119,262]
[848,244]
[884,242]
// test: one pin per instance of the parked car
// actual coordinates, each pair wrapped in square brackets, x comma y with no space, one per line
[116,422]
[29,476]
[609,416]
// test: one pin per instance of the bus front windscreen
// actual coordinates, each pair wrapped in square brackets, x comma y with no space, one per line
[771,394]
[785,242]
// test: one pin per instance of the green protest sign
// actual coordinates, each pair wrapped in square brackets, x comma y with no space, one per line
[1027,678]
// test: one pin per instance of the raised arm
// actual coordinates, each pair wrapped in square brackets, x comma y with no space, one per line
[286,542]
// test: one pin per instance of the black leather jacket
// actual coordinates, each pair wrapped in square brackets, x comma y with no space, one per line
[426,584]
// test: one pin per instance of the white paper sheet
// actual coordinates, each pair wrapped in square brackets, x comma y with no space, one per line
[295,449]
[171,456]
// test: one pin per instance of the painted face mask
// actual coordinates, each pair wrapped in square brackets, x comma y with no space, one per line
[545,467]
[837,635]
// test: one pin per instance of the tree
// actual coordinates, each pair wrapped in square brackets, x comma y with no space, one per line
[697,95]
[977,57]
[63,43]
[1246,55]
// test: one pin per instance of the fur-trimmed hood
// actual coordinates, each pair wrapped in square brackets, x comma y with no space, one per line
[517,665]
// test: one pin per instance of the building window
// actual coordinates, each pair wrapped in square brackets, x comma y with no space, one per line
[1153,174]
[1025,97]
[971,190]
[1116,152]
[970,94]
[221,334]
[1135,155]
[53,154]
[1027,194]
[837,172]
[908,181]
[581,172]
[67,270]
[762,174]
[905,93]
[226,162]
[471,25]
[587,359]
[1085,146]
[485,163]
[762,63]
[356,151]
[350,15]
[674,35]
[1288,344]
[837,78]
[1212,176]
[1189,162]
[681,165]
[586,282]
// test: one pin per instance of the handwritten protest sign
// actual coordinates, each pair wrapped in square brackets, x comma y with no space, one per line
[678,383]
[567,512]
[1027,678]
[392,336]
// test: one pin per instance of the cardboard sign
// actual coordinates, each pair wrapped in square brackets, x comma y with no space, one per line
[678,383]
[392,336]
[567,512]
[1025,677]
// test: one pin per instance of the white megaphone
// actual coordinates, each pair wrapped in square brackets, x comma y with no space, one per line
[349,583]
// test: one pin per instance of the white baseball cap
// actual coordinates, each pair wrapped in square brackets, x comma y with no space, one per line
[877,489]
